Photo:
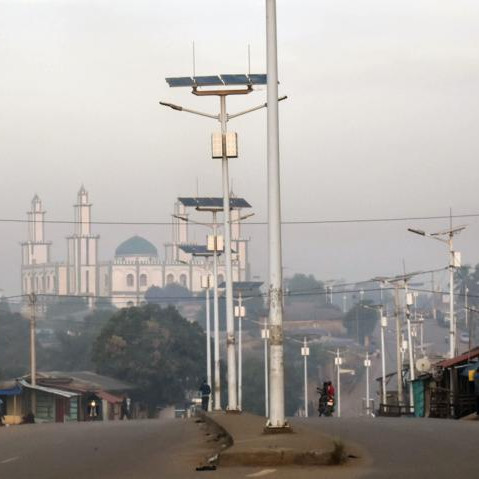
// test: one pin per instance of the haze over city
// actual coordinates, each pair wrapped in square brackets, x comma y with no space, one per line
[378,124]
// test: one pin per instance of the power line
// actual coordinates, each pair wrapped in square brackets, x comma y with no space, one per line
[257,223]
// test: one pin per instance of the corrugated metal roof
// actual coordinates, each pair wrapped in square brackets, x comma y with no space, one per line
[109,397]
[57,392]
[463,358]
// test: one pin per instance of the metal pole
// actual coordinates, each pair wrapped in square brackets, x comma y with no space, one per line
[305,377]
[368,413]
[266,379]
[452,322]
[33,355]
[208,338]
[338,381]
[276,417]
[230,325]
[383,356]
[398,346]
[216,322]
[412,374]
[240,354]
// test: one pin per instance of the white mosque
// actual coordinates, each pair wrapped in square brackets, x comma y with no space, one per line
[135,267]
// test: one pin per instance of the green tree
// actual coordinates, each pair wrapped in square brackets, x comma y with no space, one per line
[154,348]
[305,288]
[360,321]
[72,350]
[14,345]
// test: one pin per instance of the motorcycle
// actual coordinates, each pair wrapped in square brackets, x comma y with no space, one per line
[326,404]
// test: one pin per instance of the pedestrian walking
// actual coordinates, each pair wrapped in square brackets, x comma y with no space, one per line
[476,389]
[205,391]
[125,408]
[1,412]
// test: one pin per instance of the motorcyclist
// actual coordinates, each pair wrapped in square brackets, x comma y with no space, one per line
[326,396]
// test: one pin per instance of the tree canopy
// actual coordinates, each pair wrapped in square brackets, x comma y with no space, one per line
[154,348]
[14,345]
[302,287]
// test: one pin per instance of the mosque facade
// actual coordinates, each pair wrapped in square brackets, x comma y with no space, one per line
[135,267]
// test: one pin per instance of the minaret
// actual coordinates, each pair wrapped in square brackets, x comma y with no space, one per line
[82,251]
[36,250]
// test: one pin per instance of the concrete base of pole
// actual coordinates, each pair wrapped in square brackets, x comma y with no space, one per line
[286,429]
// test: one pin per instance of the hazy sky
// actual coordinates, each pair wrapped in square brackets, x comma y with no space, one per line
[381,121]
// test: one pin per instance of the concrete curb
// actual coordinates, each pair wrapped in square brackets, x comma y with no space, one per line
[274,456]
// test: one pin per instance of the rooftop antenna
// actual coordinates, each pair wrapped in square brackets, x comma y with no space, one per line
[194,59]
[249,59]
[197,188]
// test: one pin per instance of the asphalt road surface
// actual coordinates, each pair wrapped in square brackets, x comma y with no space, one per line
[171,449]
[168,449]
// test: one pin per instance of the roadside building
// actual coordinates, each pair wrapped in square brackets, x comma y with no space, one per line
[65,397]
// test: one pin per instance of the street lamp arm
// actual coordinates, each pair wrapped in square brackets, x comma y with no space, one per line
[188,110]
[188,220]
[428,235]
[250,110]
[241,218]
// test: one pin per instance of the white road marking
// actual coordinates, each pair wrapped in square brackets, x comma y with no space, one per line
[264,472]
[10,459]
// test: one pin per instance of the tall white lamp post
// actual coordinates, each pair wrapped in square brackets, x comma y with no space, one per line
[367,365]
[265,337]
[240,313]
[338,361]
[305,354]
[206,284]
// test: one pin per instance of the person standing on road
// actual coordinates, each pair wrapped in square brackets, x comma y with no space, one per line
[205,391]
[476,389]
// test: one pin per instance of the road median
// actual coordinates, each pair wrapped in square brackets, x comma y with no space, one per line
[248,445]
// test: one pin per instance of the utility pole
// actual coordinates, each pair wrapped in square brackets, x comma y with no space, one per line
[265,337]
[367,365]
[240,313]
[277,415]
[412,375]
[384,324]
[305,354]
[338,361]
[398,345]
[205,280]
[216,320]
[32,298]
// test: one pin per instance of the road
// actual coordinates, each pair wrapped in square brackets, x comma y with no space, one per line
[118,449]
[171,449]
[408,448]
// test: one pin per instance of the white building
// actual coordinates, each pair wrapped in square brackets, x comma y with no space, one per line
[135,267]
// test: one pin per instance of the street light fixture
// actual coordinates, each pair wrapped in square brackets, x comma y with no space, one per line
[367,365]
[206,285]
[305,354]
[383,323]
[197,83]
[446,236]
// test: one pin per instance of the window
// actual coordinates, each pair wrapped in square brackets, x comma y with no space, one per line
[221,279]
[130,280]
[183,280]
[87,281]
[170,279]
[48,282]
[143,280]
[106,281]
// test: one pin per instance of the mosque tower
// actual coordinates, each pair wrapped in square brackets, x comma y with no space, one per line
[82,256]
[36,250]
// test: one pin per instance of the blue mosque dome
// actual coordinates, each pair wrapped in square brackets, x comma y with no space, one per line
[136,246]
